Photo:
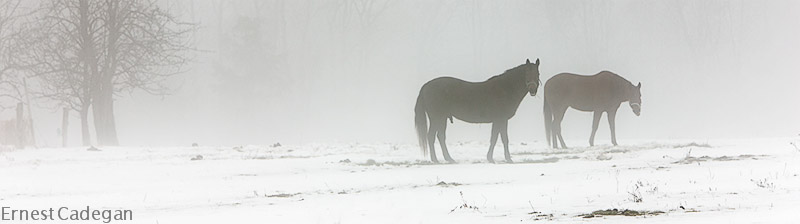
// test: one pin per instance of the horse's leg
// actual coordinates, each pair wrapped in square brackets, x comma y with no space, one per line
[553,135]
[431,140]
[504,138]
[442,136]
[492,141]
[595,122]
[558,116]
[611,117]
[555,125]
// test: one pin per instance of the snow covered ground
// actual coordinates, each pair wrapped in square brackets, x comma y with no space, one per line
[719,181]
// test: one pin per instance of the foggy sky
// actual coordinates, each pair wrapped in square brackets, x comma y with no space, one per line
[323,71]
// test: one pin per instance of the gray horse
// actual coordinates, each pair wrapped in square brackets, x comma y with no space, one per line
[602,92]
[492,101]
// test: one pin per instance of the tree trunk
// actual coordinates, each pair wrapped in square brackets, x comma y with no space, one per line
[85,126]
[30,115]
[103,113]
[20,127]
[103,94]
[64,127]
[90,68]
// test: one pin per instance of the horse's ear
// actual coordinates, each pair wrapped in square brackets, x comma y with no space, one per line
[537,61]
[639,86]
[527,61]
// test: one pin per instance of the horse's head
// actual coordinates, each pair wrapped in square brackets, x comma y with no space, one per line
[532,76]
[636,99]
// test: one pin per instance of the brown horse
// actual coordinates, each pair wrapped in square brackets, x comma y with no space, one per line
[602,92]
[493,101]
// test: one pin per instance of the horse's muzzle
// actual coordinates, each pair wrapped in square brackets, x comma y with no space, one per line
[533,89]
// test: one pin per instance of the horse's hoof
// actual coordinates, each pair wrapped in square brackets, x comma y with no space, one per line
[509,161]
[490,160]
[435,161]
[451,161]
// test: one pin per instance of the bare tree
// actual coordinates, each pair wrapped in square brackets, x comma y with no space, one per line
[84,52]
[143,44]
[11,91]
[63,55]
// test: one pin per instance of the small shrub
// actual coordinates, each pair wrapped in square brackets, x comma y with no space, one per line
[764,183]
[464,205]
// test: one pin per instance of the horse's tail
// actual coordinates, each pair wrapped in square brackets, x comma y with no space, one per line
[548,121]
[421,124]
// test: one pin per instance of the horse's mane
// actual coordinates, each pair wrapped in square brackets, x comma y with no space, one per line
[514,70]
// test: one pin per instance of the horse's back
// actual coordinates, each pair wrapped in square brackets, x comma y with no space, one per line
[582,92]
[447,81]
[445,85]
[563,83]
[441,92]
[600,81]
[474,102]
[563,78]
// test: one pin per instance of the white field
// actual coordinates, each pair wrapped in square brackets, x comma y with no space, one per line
[733,181]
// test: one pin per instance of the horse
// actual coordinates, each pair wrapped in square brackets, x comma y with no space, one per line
[602,92]
[492,101]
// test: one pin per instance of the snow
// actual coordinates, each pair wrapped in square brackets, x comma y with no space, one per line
[720,181]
